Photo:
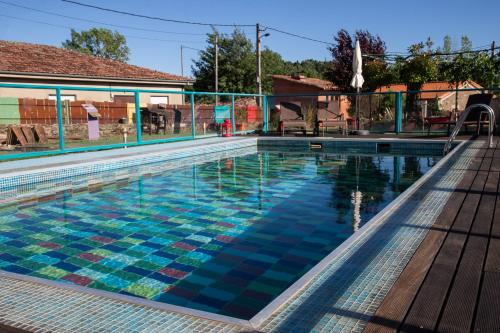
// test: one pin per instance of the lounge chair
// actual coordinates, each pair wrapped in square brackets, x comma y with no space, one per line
[329,116]
[476,117]
[291,116]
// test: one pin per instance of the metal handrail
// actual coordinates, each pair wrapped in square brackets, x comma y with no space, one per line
[462,119]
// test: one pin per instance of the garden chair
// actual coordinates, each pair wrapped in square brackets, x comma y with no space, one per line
[441,120]
[291,116]
[329,116]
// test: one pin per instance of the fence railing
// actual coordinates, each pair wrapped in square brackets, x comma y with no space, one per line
[49,119]
[421,112]
[55,119]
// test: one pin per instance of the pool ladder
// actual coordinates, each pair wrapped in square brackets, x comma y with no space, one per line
[491,117]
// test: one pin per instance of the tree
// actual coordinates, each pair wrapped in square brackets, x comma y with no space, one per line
[236,64]
[447,44]
[272,63]
[420,68]
[309,67]
[341,69]
[466,44]
[99,42]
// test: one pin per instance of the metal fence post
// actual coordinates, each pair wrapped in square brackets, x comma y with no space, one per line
[233,121]
[138,125]
[265,115]
[60,126]
[398,117]
[193,124]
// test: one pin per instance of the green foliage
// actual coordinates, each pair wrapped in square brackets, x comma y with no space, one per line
[309,67]
[466,44]
[376,74]
[272,63]
[99,42]
[479,67]
[237,65]
[421,67]
[446,44]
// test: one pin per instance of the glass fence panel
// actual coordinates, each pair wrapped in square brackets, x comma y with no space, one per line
[248,114]
[292,115]
[311,115]
[28,121]
[376,112]
[165,117]
[436,112]
[210,113]
[97,118]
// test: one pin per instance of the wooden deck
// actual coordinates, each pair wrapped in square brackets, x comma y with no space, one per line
[452,283]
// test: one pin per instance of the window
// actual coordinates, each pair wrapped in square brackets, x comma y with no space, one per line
[70,98]
[158,100]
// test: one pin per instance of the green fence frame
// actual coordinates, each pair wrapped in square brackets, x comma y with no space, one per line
[192,94]
[136,92]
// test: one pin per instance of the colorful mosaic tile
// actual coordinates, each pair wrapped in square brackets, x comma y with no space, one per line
[227,236]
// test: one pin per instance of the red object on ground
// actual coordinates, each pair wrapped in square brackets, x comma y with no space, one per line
[252,113]
[226,128]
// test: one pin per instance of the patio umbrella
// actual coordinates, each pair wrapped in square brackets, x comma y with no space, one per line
[357,80]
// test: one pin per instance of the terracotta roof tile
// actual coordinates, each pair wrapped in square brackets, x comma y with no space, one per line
[438,85]
[44,59]
[319,83]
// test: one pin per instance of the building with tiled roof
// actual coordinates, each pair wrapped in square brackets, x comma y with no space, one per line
[49,65]
[299,89]
[302,83]
[442,91]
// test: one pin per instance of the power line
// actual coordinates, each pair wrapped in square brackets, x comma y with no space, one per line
[191,48]
[127,36]
[193,23]
[97,22]
[298,36]
[155,17]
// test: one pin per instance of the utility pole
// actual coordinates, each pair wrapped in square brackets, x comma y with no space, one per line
[182,63]
[492,49]
[216,65]
[257,56]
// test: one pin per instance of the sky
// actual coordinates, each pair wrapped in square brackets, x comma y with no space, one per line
[398,23]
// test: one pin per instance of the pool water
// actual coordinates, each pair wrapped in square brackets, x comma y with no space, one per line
[226,236]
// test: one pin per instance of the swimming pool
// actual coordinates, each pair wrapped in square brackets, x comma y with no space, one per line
[225,234]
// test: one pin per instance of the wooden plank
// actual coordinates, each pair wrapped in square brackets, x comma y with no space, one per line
[28,134]
[493,257]
[41,136]
[17,136]
[9,329]
[487,317]
[459,309]
[395,305]
[393,309]
[426,308]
